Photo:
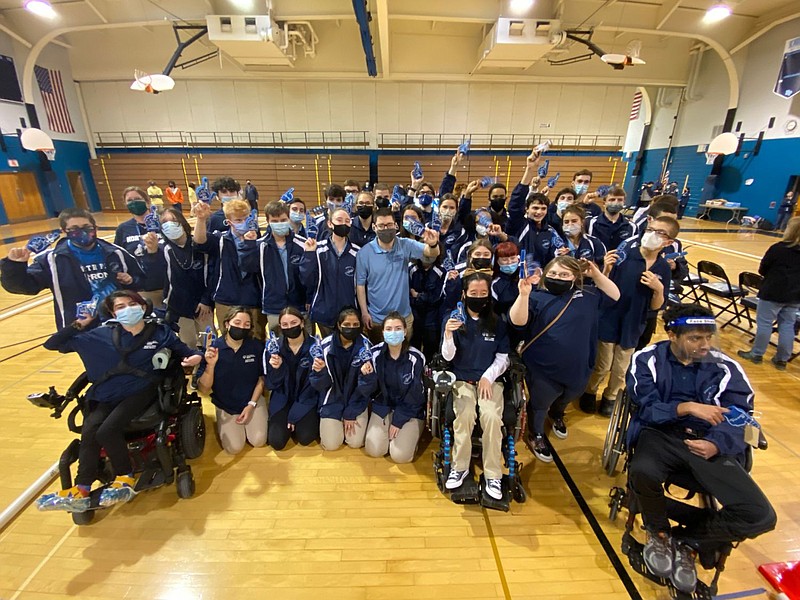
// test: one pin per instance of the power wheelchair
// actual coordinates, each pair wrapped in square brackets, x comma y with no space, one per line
[439,383]
[710,558]
[160,440]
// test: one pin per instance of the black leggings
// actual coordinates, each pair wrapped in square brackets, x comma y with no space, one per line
[306,430]
[745,513]
[427,340]
[647,334]
[104,427]
[548,395]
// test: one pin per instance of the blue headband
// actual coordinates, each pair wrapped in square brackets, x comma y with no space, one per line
[682,321]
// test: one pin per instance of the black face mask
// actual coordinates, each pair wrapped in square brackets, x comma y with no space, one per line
[387,235]
[482,263]
[350,333]
[382,202]
[476,304]
[557,286]
[497,204]
[341,230]
[365,212]
[292,332]
[238,333]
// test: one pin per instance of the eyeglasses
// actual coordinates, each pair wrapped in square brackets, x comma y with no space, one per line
[385,227]
[661,233]
[85,228]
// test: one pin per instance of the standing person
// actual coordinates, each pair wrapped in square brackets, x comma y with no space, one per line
[251,195]
[427,294]
[393,379]
[453,215]
[175,196]
[558,324]
[497,203]
[555,212]
[192,197]
[293,402]
[226,189]
[361,230]
[580,245]
[232,372]
[785,211]
[529,224]
[642,276]
[581,181]
[297,216]
[506,278]
[382,272]
[155,194]
[611,226]
[80,268]
[778,297]
[351,186]
[478,349]
[686,196]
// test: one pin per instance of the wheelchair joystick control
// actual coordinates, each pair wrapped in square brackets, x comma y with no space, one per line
[161,359]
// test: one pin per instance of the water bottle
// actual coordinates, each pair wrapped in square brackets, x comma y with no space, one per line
[487,181]
[544,146]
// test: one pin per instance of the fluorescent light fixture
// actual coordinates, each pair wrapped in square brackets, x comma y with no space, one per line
[717,12]
[622,59]
[41,8]
[519,6]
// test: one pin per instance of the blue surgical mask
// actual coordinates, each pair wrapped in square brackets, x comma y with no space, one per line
[172,230]
[394,338]
[130,315]
[509,269]
[561,205]
[225,199]
[282,228]
[297,217]
[581,188]
[240,228]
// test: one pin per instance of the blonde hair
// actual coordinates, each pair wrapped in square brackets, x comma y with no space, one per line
[236,209]
[792,234]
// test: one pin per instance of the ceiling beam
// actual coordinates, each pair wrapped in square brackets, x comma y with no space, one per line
[382,11]
[769,21]
[665,11]
[96,11]
[443,18]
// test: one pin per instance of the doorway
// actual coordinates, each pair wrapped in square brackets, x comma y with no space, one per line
[20,195]
[75,179]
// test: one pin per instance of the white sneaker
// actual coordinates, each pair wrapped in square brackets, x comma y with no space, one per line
[494,487]
[455,479]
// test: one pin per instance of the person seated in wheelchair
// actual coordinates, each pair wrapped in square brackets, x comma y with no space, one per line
[118,358]
[687,402]
[477,345]
[393,379]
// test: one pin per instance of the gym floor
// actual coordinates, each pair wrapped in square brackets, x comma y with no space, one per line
[306,524]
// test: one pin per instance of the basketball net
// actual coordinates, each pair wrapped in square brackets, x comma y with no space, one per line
[710,157]
[145,80]
[50,153]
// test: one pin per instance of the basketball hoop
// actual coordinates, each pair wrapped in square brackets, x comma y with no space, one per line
[151,84]
[36,139]
[711,157]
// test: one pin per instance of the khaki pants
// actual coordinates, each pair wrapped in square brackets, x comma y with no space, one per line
[402,448]
[190,329]
[258,318]
[233,436]
[614,358]
[375,334]
[155,296]
[465,399]
[331,433]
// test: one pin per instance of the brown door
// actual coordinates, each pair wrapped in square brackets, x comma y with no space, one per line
[76,187]
[20,195]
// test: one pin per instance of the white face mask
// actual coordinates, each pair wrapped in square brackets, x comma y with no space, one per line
[172,230]
[651,240]
[572,230]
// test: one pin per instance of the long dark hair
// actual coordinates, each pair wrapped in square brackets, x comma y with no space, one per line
[180,219]
[487,319]
[291,310]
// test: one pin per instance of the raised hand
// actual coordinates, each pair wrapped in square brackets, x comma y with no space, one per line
[19,255]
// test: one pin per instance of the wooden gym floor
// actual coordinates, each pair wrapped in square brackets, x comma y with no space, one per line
[306,524]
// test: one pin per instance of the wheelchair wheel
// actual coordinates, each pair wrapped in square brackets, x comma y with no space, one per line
[185,483]
[615,436]
[518,492]
[83,518]
[193,432]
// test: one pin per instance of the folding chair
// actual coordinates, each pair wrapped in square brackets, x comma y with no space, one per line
[719,286]
[689,285]
[749,283]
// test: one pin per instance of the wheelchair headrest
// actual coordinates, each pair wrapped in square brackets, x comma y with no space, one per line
[443,381]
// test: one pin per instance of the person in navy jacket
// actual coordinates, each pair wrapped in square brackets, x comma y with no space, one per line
[478,349]
[361,230]
[580,245]
[642,276]
[611,226]
[293,402]
[118,358]
[79,268]
[427,294]
[393,379]
[506,278]
[480,258]
[343,408]
[453,214]
[226,189]
[131,235]
[558,325]
[689,399]
[232,373]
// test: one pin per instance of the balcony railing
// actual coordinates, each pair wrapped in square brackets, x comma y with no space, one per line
[497,141]
[229,139]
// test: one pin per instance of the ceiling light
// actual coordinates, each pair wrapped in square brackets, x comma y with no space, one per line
[717,13]
[41,8]
[519,6]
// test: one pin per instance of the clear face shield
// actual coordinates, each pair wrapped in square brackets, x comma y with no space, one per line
[694,339]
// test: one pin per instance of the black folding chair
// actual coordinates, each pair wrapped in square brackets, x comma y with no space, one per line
[689,286]
[749,283]
[720,287]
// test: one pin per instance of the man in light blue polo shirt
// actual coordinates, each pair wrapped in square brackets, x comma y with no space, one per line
[382,273]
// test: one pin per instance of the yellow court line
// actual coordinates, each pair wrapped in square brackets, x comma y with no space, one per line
[496,552]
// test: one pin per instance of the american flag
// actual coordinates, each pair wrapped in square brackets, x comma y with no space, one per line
[637,104]
[55,102]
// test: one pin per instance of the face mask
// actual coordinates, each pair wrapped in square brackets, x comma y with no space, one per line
[225,199]
[240,228]
[394,338]
[581,188]
[381,202]
[482,263]
[497,204]
[332,206]
[292,332]
[613,209]
[130,315]
[297,217]
[282,228]
[425,199]
[137,207]
[172,230]
[341,230]
[365,212]
[447,215]
[82,238]
[350,333]
[476,305]
[509,269]
[238,333]
[481,230]
[561,205]
[387,235]
[651,240]
[557,286]
[428,260]
[572,230]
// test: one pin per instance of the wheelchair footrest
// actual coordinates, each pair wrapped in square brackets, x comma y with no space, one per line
[468,493]
[150,478]
[488,502]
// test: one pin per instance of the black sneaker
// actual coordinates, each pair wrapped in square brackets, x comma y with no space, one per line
[748,355]
[684,574]
[657,554]
[606,407]
[560,429]
[779,364]
[588,403]
[540,448]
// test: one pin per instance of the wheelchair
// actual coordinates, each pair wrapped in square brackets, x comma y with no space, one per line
[439,387]
[160,440]
[711,558]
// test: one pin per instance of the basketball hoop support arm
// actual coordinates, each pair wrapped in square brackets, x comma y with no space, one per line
[173,62]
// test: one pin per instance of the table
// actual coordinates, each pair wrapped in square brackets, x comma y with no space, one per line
[737,212]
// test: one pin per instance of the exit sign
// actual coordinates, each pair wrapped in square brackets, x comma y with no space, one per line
[13,163]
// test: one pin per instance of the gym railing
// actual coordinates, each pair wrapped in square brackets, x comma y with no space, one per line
[497,141]
[230,139]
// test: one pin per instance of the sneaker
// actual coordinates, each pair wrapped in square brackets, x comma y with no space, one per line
[606,407]
[72,500]
[494,488]
[779,364]
[684,574]
[748,355]
[560,429]
[118,491]
[541,450]
[657,554]
[588,403]
[455,479]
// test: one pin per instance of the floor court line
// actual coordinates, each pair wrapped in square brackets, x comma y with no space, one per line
[43,562]
[500,571]
[690,243]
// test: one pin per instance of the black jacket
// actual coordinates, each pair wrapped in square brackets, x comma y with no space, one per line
[781,270]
